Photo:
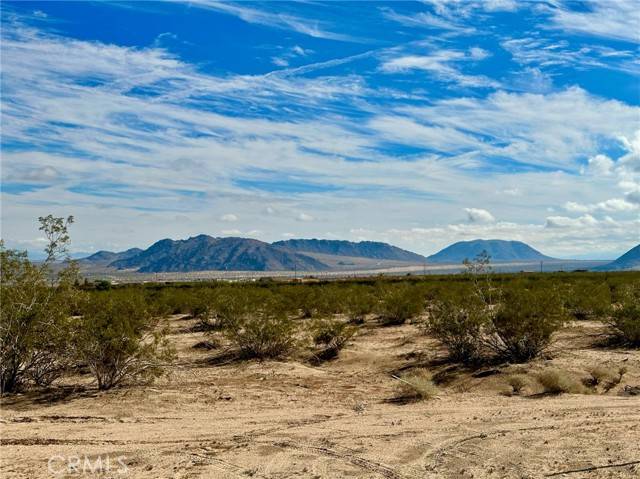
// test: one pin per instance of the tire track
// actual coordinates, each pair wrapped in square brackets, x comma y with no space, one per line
[372,466]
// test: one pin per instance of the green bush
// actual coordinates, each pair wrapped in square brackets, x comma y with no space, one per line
[458,326]
[358,303]
[523,324]
[262,331]
[585,300]
[36,305]
[332,335]
[624,321]
[120,340]
[398,303]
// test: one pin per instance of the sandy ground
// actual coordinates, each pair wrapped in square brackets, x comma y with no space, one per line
[288,419]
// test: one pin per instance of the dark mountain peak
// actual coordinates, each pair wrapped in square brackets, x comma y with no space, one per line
[628,261]
[499,250]
[362,249]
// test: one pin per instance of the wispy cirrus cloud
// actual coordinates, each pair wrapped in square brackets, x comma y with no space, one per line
[619,19]
[444,65]
[284,21]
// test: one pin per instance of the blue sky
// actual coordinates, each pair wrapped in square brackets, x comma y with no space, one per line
[416,123]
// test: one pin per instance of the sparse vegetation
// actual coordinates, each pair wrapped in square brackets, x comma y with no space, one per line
[266,331]
[459,327]
[120,340]
[331,335]
[524,322]
[517,382]
[35,323]
[416,384]
[556,381]
[625,316]
[586,300]
[399,302]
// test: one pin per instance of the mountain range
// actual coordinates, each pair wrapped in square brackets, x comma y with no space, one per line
[499,250]
[203,253]
[628,261]
[206,253]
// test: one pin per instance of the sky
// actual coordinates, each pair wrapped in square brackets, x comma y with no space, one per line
[414,123]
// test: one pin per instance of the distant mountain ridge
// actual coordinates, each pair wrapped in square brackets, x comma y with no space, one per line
[499,250]
[205,253]
[362,249]
[110,256]
[628,261]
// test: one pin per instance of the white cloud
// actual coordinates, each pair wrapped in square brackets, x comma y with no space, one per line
[313,28]
[229,217]
[477,215]
[478,53]
[617,19]
[600,165]
[443,64]
[574,223]
[552,130]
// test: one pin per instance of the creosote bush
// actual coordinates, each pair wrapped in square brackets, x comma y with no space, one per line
[398,303]
[36,305]
[264,332]
[459,326]
[585,300]
[624,321]
[358,302]
[120,340]
[523,324]
[331,335]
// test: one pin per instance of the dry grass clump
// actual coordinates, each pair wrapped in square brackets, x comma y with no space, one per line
[517,382]
[606,377]
[557,381]
[417,385]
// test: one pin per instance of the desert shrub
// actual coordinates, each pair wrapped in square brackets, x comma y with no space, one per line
[35,315]
[585,300]
[358,303]
[308,301]
[624,321]
[262,331]
[416,384]
[613,381]
[119,340]
[598,375]
[230,304]
[332,335]
[523,324]
[398,303]
[517,382]
[555,381]
[458,325]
